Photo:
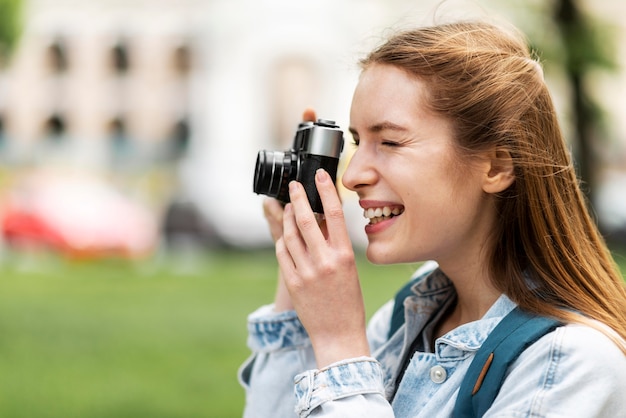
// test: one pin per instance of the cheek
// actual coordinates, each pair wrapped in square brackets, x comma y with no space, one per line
[440,196]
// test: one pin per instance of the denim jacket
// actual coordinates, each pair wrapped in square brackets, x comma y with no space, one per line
[574,371]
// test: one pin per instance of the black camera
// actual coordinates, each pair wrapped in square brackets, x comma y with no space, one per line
[316,145]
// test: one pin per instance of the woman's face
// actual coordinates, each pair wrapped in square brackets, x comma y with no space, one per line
[421,203]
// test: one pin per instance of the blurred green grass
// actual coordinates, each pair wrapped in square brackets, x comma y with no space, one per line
[161,338]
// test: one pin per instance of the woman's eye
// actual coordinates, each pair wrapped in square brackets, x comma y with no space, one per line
[355,142]
[389,143]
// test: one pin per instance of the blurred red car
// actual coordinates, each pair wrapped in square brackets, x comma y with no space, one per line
[77,215]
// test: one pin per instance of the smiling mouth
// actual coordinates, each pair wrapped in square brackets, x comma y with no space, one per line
[376,215]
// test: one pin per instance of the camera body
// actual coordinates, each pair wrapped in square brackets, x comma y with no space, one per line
[315,145]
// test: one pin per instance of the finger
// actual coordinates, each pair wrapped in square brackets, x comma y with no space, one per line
[304,217]
[333,211]
[309,115]
[293,239]
[272,207]
[273,211]
[285,262]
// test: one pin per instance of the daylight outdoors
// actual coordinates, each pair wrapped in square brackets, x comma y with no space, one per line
[132,247]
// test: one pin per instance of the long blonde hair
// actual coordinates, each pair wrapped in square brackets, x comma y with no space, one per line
[547,254]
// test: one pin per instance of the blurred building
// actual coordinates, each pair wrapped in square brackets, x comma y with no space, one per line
[97,83]
[191,90]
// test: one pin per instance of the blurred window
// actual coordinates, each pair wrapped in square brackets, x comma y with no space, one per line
[3,139]
[120,59]
[182,60]
[119,142]
[57,56]
[55,128]
[181,134]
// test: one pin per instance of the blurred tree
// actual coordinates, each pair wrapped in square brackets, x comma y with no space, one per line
[10,26]
[587,45]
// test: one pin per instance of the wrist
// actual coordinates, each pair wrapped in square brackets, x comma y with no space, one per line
[282,300]
[333,351]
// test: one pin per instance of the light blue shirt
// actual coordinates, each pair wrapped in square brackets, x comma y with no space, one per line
[575,371]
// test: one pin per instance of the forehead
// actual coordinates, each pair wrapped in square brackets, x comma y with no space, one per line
[387,92]
[386,80]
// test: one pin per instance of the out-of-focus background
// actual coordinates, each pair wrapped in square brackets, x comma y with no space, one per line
[132,246]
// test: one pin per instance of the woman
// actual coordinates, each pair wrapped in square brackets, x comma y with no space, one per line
[459,159]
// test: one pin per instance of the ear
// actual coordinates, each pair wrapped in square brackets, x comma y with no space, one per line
[499,174]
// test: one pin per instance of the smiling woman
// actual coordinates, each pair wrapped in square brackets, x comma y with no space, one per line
[407,159]
[459,161]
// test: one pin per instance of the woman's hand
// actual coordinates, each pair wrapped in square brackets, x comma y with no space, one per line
[318,267]
[273,211]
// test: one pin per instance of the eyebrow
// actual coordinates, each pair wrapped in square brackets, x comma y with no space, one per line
[382,126]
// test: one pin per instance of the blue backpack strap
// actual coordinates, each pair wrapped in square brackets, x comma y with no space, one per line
[515,332]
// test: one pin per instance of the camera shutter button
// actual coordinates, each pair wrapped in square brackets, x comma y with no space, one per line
[326,122]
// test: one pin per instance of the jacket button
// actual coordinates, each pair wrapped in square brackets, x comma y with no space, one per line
[438,374]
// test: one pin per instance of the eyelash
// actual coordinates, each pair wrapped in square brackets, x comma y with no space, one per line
[390,143]
[355,143]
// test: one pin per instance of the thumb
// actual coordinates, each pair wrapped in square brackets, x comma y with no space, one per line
[309,115]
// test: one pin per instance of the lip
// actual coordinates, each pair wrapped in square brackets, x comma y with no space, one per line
[381,225]
[366,204]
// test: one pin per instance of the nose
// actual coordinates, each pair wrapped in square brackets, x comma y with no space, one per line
[360,171]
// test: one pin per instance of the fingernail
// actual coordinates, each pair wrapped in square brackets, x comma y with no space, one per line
[321,175]
[293,186]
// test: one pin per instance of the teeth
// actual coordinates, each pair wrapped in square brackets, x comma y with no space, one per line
[376,215]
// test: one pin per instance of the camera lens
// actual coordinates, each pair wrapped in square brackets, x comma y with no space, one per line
[273,172]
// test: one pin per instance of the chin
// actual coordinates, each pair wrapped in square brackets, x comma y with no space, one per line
[375,256]
[383,256]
